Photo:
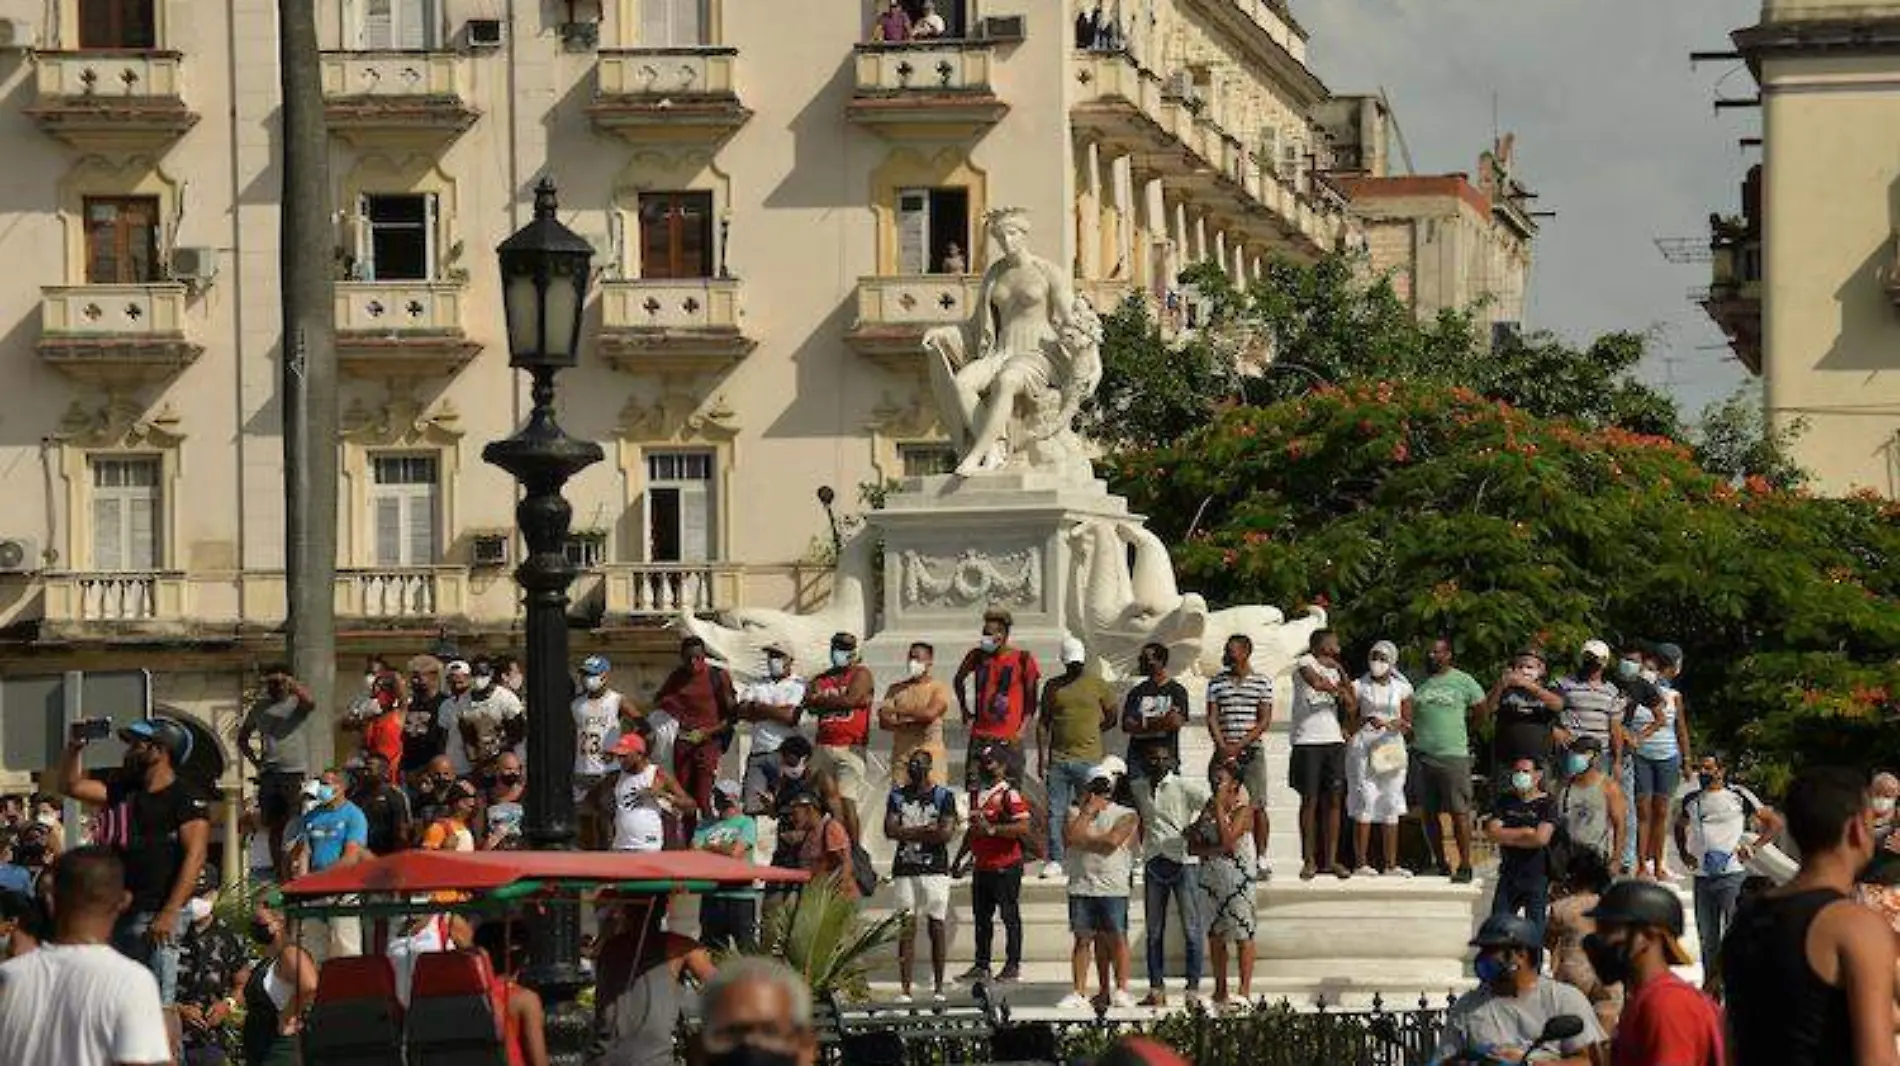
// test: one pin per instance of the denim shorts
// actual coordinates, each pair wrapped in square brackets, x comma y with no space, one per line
[1657,777]
[129,936]
[1098,914]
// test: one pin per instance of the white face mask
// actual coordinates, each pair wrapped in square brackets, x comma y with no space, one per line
[593,682]
[369,682]
[1883,805]
[840,658]
[775,668]
[918,667]
[482,684]
[1380,668]
[47,819]
[989,643]
[197,908]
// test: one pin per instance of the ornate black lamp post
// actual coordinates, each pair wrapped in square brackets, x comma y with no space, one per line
[544,276]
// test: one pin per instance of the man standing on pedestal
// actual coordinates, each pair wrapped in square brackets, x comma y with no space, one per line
[1006,686]
[280,752]
[1169,803]
[699,696]
[1076,708]
[773,708]
[841,699]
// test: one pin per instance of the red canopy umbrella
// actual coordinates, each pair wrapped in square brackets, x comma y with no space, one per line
[416,872]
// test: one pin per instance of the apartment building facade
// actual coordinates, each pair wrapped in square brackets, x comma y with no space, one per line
[780,208]
[1805,279]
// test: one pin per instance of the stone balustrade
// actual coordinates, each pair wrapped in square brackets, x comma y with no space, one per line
[661,590]
[107,311]
[392,74]
[104,74]
[398,307]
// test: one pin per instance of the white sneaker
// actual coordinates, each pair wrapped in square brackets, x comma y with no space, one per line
[1073,1001]
[901,999]
[1365,871]
[1398,871]
[1052,870]
[1265,869]
[1122,1000]
[939,997]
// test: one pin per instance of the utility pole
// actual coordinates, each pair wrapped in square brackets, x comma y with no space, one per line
[309,369]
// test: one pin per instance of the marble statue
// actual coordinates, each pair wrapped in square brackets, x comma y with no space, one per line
[739,638]
[1013,400]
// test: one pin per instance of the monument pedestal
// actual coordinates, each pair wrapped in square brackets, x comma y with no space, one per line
[954,547]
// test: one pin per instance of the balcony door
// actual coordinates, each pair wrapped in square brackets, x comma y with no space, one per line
[125,514]
[405,510]
[398,25]
[121,240]
[676,235]
[118,24]
[673,23]
[933,231]
[397,237]
[679,507]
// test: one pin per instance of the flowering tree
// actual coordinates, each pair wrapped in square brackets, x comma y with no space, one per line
[1414,509]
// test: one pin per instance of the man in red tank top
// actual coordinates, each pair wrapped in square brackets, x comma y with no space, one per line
[1007,681]
[840,700]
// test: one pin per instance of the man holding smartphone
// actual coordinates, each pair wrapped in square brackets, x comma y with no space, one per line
[158,824]
[273,740]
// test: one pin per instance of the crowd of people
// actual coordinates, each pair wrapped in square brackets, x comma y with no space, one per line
[1579,814]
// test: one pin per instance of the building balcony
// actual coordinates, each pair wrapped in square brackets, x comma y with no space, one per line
[117,102]
[401,330]
[675,325]
[117,337]
[1128,108]
[411,593]
[663,590]
[894,313]
[115,597]
[397,99]
[1734,297]
[931,90]
[667,94]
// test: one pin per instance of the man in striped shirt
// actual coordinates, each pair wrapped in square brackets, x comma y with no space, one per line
[1239,713]
[1591,706]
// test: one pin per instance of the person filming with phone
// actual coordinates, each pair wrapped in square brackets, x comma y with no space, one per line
[159,826]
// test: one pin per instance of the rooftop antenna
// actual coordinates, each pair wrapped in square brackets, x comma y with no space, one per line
[1405,150]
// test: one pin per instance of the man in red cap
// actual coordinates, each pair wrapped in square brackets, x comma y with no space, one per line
[628,800]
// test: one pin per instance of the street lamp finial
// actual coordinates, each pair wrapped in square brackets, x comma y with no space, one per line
[545,205]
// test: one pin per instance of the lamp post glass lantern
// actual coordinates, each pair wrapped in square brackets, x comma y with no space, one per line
[545,270]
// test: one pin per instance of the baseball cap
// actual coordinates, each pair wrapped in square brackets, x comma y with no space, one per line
[1597,650]
[458,668]
[629,743]
[595,665]
[1506,931]
[1111,767]
[1073,651]
[1644,903]
[1669,653]
[164,732]
[803,797]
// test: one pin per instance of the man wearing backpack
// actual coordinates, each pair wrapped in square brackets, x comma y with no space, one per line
[1709,839]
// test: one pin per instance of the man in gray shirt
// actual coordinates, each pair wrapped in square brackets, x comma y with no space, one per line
[273,740]
[1508,1010]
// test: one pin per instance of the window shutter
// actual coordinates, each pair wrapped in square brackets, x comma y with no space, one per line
[656,19]
[108,533]
[141,535]
[689,22]
[412,24]
[365,238]
[696,521]
[388,521]
[377,32]
[428,237]
[419,531]
[913,232]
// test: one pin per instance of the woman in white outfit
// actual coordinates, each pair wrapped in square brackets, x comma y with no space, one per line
[1375,760]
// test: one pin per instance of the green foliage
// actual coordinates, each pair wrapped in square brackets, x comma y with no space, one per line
[1733,438]
[1329,323]
[1418,509]
[824,938]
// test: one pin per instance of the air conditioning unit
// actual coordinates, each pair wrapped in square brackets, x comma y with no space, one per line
[15,35]
[489,549]
[1005,28]
[19,555]
[194,266]
[483,33]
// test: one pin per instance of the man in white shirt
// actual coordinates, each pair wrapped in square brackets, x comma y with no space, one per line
[597,723]
[1169,803]
[773,707]
[1322,695]
[1711,839]
[76,1001]
[929,25]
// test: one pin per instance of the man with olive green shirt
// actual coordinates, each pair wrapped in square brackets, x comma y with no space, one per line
[1076,707]
[1441,707]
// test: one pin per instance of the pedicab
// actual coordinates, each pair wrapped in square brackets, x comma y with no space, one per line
[440,1005]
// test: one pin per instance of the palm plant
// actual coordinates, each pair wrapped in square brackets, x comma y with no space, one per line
[825,939]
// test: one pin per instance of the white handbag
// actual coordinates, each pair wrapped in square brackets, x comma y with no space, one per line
[1387,757]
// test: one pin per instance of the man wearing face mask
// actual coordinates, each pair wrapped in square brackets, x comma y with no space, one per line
[920,817]
[454,738]
[1521,825]
[700,698]
[913,712]
[501,815]
[211,955]
[1808,974]
[1443,705]
[999,823]
[382,731]
[431,799]
[598,721]
[423,737]
[1637,690]
[385,807]
[840,698]
[331,832]
[159,824]
[272,739]
[1077,708]
[1239,713]
[1507,1012]
[773,706]
[1006,679]
[1711,839]
[489,718]
[1526,712]
[1169,803]
[1153,712]
[1665,1022]
[1590,804]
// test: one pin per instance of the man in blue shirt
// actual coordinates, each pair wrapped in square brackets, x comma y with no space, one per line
[332,831]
